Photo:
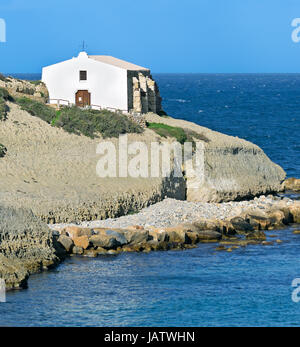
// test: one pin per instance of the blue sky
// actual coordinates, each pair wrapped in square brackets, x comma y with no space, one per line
[165,35]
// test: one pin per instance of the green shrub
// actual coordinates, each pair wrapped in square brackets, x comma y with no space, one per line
[192,135]
[182,135]
[4,96]
[37,109]
[3,110]
[81,121]
[90,122]
[36,83]
[165,130]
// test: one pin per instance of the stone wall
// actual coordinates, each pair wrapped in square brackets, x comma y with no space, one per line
[143,93]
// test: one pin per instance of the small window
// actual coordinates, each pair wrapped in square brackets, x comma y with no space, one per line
[83,75]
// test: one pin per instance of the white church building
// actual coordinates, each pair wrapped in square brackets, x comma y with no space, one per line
[102,82]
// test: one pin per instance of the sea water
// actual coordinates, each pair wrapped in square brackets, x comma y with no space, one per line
[251,286]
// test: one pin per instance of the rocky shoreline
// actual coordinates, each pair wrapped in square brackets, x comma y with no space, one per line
[28,245]
[235,224]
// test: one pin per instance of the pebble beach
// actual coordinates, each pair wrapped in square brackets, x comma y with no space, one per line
[170,212]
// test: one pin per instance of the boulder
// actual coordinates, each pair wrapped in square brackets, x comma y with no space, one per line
[277,218]
[108,239]
[66,242]
[90,253]
[158,235]
[292,184]
[77,250]
[258,222]
[101,251]
[295,212]
[207,224]
[178,234]
[256,235]
[267,243]
[241,224]
[113,252]
[134,237]
[82,242]
[193,237]
[74,231]
[209,235]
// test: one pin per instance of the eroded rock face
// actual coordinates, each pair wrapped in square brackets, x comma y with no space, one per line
[228,168]
[20,88]
[26,246]
[239,171]
[13,272]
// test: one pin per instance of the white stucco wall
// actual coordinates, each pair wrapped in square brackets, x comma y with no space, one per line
[106,83]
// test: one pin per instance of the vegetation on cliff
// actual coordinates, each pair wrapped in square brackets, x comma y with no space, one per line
[181,135]
[81,121]
[4,97]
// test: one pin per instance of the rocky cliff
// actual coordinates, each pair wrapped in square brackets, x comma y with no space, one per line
[233,169]
[20,88]
[53,172]
[26,246]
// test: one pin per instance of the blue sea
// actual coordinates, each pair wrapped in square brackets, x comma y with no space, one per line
[199,287]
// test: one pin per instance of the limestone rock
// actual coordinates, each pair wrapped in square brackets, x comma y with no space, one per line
[74,231]
[13,272]
[177,234]
[241,224]
[159,236]
[66,242]
[134,237]
[258,222]
[77,250]
[295,212]
[26,246]
[277,218]
[209,235]
[228,168]
[108,239]
[256,235]
[21,88]
[81,241]
[292,184]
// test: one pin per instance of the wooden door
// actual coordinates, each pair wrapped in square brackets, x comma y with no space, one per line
[83,98]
